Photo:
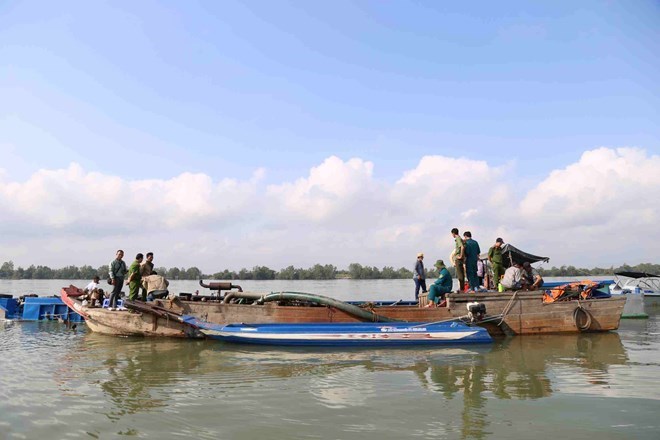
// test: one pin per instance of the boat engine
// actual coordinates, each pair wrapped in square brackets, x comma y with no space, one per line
[476,311]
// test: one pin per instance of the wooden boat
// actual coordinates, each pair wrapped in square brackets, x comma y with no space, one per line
[510,313]
[524,313]
[359,334]
[125,323]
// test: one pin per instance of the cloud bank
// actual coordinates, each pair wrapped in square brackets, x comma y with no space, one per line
[601,210]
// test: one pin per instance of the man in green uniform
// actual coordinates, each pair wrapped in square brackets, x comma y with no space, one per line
[495,258]
[146,269]
[134,277]
[459,259]
[441,286]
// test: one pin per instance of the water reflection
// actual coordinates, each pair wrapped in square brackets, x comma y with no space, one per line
[142,375]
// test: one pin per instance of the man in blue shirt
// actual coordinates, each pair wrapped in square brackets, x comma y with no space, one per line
[471,257]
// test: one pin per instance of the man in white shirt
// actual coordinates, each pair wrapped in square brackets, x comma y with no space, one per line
[513,276]
[94,293]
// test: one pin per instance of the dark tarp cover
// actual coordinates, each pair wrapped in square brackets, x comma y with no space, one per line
[636,275]
[513,254]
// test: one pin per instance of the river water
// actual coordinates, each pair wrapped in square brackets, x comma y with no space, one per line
[61,383]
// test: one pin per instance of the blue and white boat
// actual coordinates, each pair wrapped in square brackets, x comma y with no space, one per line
[360,334]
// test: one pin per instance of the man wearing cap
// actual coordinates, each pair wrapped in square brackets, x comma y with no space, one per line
[459,259]
[441,286]
[419,276]
[495,258]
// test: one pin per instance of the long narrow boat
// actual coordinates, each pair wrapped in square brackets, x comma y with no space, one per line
[517,313]
[358,334]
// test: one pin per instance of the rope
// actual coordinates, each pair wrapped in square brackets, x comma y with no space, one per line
[56,315]
[508,307]
[440,322]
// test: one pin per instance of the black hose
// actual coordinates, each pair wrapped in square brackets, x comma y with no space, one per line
[350,309]
[587,319]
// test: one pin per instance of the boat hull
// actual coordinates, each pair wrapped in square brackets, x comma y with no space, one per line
[344,334]
[123,323]
[525,314]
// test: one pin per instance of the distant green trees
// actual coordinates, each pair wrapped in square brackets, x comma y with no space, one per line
[355,271]
[33,272]
[358,272]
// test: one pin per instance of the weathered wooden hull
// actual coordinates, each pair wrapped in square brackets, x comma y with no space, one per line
[123,323]
[527,314]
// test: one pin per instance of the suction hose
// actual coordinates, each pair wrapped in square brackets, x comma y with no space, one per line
[350,309]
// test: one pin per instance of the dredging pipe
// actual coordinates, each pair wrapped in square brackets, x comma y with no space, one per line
[220,286]
[350,309]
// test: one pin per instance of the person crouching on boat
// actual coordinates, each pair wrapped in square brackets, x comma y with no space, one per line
[513,278]
[94,292]
[533,277]
[441,286]
[117,271]
[134,277]
[155,285]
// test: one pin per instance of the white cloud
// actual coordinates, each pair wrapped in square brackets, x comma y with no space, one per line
[600,210]
[603,207]
[74,200]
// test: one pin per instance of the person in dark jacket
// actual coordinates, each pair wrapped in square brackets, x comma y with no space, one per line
[472,252]
[419,276]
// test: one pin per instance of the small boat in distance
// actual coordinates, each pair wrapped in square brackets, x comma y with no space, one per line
[359,334]
[637,282]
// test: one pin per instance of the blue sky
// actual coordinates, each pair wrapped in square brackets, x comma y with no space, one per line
[152,90]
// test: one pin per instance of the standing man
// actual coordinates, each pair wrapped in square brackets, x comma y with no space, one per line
[459,259]
[495,258]
[419,276]
[134,277]
[472,252]
[117,270]
[442,285]
[146,269]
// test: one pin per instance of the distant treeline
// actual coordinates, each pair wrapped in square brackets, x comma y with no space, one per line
[317,272]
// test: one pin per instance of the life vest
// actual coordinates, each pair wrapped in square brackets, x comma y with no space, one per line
[567,292]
